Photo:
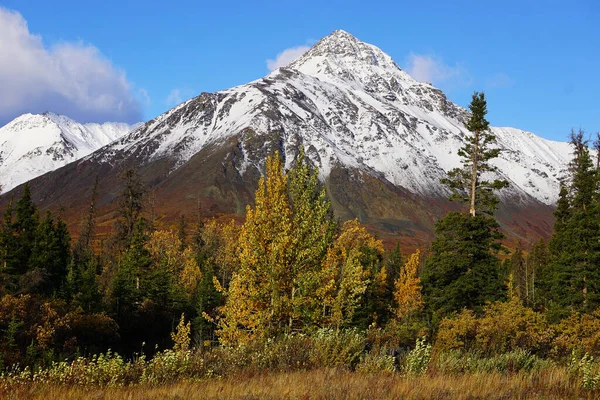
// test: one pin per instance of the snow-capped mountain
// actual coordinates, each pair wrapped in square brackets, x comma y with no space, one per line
[382,142]
[33,144]
[350,104]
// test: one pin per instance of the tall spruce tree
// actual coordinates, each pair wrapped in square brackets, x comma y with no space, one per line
[25,227]
[520,274]
[131,202]
[463,270]
[82,285]
[8,245]
[572,280]
[51,254]
[537,261]
[468,183]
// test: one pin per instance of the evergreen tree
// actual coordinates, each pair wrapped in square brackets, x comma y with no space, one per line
[572,280]
[82,285]
[537,260]
[131,202]
[394,263]
[25,227]
[463,270]
[125,288]
[520,274]
[51,254]
[467,183]
[8,248]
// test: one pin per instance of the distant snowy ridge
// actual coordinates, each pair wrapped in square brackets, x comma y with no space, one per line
[34,144]
[350,105]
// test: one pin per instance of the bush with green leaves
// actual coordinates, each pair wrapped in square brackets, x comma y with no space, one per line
[337,348]
[461,362]
[377,360]
[417,360]
[585,370]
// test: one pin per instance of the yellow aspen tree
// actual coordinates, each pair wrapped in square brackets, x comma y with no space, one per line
[407,288]
[314,230]
[165,249]
[345,275]
[181,336]
[258,299]
[222,247]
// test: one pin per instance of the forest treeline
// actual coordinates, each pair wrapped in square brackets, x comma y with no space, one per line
[291,269]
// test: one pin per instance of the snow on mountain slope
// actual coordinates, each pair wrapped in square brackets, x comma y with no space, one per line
[34,144]
[350,105]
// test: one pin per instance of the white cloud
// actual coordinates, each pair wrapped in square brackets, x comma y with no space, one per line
[428,68]
[178,96]
[143,97]
[174,98]
[286,57]
[70,78]
[500,80]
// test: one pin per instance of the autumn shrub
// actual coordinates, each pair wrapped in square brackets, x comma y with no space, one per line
[380,359]
[94,333]
[580,332]
[289,352]
[398,334]
[458,332]
[170,365]
[107,369]
[504,326]
[337,348]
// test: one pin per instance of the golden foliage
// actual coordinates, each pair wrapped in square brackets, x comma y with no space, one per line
[578,332]
[504,326]
[51,323]
[345,274]
[458,332]
[165,249]
[222,243]
[181,337]
[407,288]
[258,298]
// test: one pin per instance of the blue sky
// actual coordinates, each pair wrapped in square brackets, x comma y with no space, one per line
[538,62]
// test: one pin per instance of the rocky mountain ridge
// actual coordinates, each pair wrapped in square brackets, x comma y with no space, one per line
[34,144]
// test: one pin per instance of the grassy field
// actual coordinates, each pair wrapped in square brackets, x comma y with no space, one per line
[335,384]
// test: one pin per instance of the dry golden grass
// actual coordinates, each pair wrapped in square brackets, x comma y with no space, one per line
[335,384]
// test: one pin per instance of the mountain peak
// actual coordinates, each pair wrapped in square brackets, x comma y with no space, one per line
[340,56]
[33,144]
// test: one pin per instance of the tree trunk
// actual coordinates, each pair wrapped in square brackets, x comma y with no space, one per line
[474,174]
